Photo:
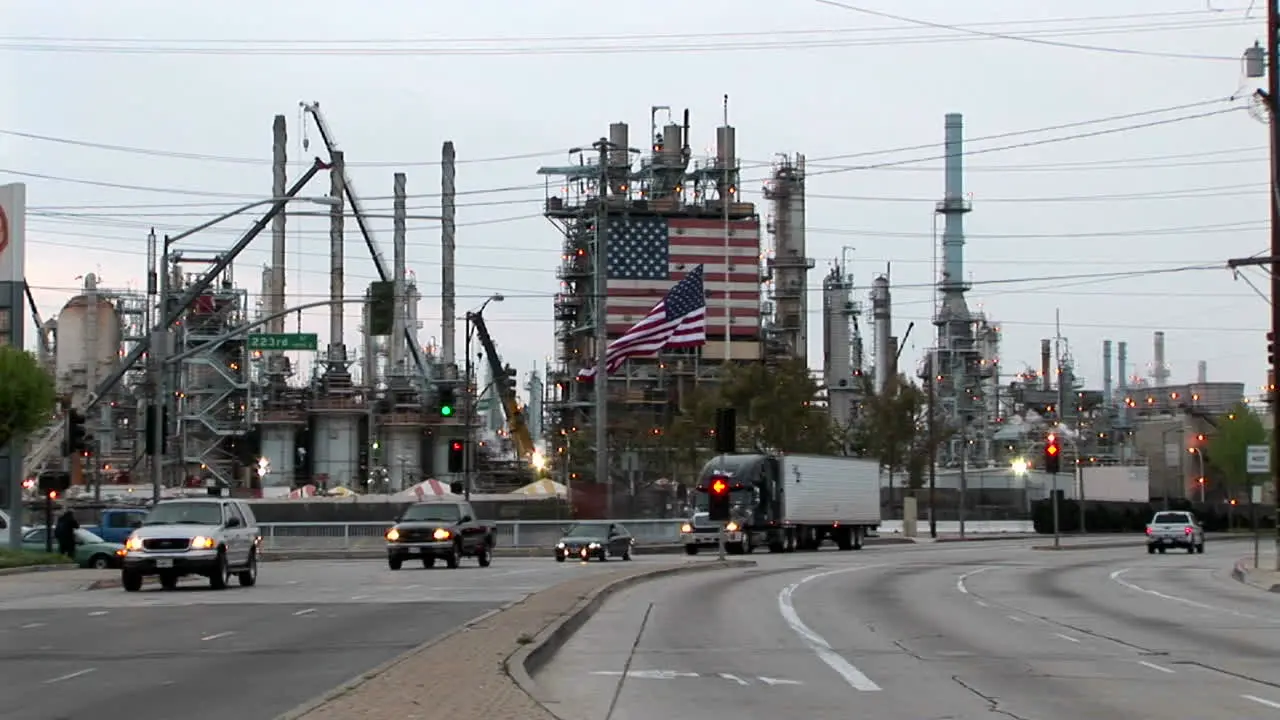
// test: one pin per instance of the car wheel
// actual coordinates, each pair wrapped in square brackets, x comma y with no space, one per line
[169,581]
[394,562]
[1191,549]
[1161,550]
[221,574]
[559,557]
[1200,548]
[130,581]
[1151,549]
[690,549]
[428,561]
[484,556]
[455,555]
[249,576]
[626,554]
[99,562]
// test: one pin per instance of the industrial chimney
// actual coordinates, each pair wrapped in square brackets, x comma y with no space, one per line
[1106,373]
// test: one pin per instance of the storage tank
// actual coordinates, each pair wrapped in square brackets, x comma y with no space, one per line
[88,346]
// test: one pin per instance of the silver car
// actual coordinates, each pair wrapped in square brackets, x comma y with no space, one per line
[212,537]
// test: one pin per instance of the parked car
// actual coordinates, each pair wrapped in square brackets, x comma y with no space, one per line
[440,530]
[91,550]
[213,537]
[595,540]
[1176,529]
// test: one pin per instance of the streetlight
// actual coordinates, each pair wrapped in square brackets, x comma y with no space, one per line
[467,448]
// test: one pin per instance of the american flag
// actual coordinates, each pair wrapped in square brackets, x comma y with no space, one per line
[647,254]
[679,321]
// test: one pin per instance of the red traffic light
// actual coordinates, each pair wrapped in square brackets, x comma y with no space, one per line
[456,446]
[719,487]
[1051,450]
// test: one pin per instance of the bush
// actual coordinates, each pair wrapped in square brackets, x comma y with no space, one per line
[1132,517]
[26,558]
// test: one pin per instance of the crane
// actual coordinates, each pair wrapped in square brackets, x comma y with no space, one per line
[505,391]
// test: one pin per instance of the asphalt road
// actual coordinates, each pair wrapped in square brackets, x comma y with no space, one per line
[247,653]
[976,632]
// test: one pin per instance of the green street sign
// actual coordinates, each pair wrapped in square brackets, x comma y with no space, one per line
[284,341]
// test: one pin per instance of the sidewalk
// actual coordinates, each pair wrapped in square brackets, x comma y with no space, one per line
[463,675]
[1263,577]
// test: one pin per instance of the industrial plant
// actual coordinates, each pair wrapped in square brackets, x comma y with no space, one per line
[188,383]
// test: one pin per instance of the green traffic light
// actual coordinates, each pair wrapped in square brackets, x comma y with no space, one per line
[446,410]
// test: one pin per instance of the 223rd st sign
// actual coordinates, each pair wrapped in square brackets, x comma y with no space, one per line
[283,341]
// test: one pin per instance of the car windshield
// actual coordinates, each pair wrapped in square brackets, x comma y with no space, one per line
[1170,519]
[586,531]
[443,512]
[185,513]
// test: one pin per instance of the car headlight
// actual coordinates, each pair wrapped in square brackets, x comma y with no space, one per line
[731,527]
[560,545]
[133,543]
[594,546]
[201,542]
[686,528]
[393,535]
[441,534]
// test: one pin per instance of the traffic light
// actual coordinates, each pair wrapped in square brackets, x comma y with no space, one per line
[457,456]
[1052,454]
[447,400]
[509,378]
[718,493]
[382,308]
[53,483]
[76,438]
[1271,348]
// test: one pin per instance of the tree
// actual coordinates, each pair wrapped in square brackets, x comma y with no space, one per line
[27,396]
[1228,446]
[894,429]
[775,408]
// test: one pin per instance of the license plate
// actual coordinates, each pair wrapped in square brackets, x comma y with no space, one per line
[164,563]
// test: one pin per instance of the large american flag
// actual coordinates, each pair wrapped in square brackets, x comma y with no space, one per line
[679,321]
[647,254]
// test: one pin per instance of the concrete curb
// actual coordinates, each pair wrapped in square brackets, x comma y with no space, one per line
[25,569]
[1090,546]
[1240,573]
[355,682]
[535,655]
[987,537]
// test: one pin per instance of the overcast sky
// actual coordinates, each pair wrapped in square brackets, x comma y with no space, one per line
[190,90]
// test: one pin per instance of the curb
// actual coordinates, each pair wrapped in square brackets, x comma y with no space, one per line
[986,537]
[527,660]
[1240,573]
[500,552]
[1089,546]
[25,569]
[355,682]
[111,583]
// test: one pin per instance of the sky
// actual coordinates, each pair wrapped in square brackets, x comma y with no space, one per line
[129,115]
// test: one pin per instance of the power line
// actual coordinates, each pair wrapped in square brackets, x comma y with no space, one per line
[1213,191]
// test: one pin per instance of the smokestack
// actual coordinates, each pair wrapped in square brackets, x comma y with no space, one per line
[1122,365]
[279,180]
[1202,372]
[1159,371]
[953,206]
[397,271]
[882,319]
[1106,373]
[1046,365]
[337,348]
[448,211]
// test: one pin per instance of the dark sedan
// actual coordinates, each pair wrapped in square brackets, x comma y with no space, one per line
[595,540]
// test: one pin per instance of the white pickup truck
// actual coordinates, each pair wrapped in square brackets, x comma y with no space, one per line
[1176,529]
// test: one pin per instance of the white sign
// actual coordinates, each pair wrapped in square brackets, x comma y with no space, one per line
[1258,460]
[1255,494]
[13,221]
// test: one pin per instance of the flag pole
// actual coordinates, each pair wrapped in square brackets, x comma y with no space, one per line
[724,201]
[601,270]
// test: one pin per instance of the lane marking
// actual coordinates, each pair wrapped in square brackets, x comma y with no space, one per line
[217,636]
[307,611]
[31,626]
[97,613]
[359,597]
[734,678]
[86,671]
[1154,666]
[816,642]
[981,603]
[960,581]
[1015,618]
[778,681]
[1067,637]
[1117,577]
[1262,701]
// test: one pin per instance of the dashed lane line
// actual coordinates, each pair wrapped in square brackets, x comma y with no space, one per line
[218,636]
[1262,701]
[69,676]
[1154,666]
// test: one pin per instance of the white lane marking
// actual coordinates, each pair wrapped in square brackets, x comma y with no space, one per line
[1067,637]
[816,642]
[960,581]
[648,674]
[1154,666]
[1262,701]
[76,674]
[307,611]
[217,636]
[1116,576]
[1015,618]
[734,678]
[981,603]
[778,681]
[97,613]
[31,626]
[359,597]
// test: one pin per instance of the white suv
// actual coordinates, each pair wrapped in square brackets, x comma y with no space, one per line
[214,537]
[1177,529]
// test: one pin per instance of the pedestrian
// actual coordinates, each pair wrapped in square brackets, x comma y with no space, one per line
[64,531]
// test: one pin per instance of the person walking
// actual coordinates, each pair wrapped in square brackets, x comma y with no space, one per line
[64,531]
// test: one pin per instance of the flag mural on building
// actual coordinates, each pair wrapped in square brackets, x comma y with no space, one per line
[648,255]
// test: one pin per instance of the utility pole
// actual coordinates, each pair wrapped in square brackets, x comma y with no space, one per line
[1273,96]
[601,270]
[933,450]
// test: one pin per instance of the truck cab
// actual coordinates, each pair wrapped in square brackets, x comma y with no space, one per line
[117,524]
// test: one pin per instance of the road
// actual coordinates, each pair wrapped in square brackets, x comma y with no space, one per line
[251,653]
[974,632]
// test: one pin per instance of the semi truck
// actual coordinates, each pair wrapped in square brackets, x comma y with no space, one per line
[786,503]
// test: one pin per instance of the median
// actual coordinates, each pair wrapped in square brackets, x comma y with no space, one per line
[20,561]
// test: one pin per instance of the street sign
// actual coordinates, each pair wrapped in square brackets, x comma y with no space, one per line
[284,341]
[1255,494]
[1258,460]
